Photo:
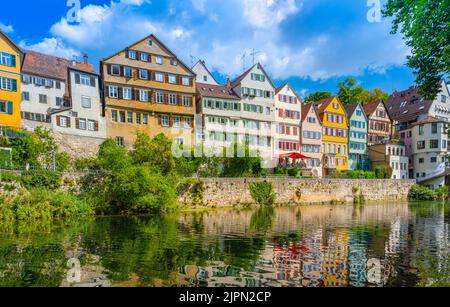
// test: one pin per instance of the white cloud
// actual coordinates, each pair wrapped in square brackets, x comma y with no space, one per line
[52,46]
[268,13]
[6,28]
[199,5]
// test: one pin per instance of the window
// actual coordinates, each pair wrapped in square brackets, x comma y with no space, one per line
[165,121]
[113,91]
[421,160]
[143,95]
[132,54]
[186,81]
[59,101]
[443,98]
[144,57]
[159,77]
[433,160]
[159,60]
[130,117]
[138,118]
[145,119]
[8,84]
[25,96]
[177,122]
[434,144]
[122,116]
[159,97]
[187,100]
[434,128]
[63,121]
[420,145]
[82,124]
[6,107]
[143,74]
[7,59]
[42,98]
[120,141]
[127,72]
[127,93]
[205,79]
[258,77]
[421,129]
[173,99]
[187,122]
[115,70]
[114,115]
[172,79]
[58,85]
[86,102]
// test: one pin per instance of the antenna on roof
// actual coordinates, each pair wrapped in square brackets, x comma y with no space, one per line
[243,60]
[253,54]
[193,58]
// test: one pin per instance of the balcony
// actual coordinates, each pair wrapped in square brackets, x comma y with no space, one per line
[329,161]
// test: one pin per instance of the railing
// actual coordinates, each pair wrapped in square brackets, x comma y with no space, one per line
[442,170]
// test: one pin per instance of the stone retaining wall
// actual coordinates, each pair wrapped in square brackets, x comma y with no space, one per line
[224,192]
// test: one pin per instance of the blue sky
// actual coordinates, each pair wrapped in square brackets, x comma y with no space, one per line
[313,44]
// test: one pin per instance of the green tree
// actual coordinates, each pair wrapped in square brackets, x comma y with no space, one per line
[350,92]
[374,95]
[317,96]
[425,25]
[156,152]
[247,166]
[112,157]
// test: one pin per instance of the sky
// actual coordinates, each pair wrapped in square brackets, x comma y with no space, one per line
[312,44]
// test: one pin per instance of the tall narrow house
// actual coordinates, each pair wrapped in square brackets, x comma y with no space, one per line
[288,110]
[257,92]
[358,155]
[147,88]
[311,139]
[10,67]
[380,123]
[334,136]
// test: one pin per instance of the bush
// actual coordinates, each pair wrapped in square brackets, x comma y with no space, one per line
[263,193]
[419,192]
[82,164]
[9,177]
[294,172]
[280,171]
[43,179]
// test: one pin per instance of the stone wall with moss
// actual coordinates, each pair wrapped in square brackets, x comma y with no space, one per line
[226,192]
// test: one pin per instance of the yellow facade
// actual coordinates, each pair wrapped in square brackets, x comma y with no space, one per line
[335,135]
[10,66]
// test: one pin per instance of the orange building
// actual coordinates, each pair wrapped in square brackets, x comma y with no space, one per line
[147,88]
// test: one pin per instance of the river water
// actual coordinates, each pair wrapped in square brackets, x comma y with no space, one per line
[315,246]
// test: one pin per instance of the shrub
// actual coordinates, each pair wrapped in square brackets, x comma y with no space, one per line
[294,172]
[280,171]
[380,172]
[82,164]
[419,192]
[43,179]
[263,193]
[9,177]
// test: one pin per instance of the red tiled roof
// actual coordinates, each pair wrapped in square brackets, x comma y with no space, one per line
[280,88]
[370,107]
[323,104]
[351,109]
[305,110]
[407,105]
[216,91]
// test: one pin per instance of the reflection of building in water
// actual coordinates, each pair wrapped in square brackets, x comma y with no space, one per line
[312,259]
[335,257]
[357,258]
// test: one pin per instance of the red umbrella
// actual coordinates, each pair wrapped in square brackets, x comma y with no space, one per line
[294,156]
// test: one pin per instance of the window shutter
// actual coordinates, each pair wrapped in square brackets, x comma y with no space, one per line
[77,123]
[93,81]
[127,55]
[152,76]
[192,122]
[137,97]
[68,122]
[133,97]
[170,121]
[77,79]
[180,100]
[9,107]
[191,81]
[167,78]
[160,120]
[166,98]
[108,69]
[280,112]
[58,121]
[13,61]
[14,85]
[153,96]
[120,90]
[96,125]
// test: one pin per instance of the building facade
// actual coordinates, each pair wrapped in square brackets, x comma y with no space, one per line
[380,123]
[203,75]
[218,121]
[257,93]
[311,139]
[358,157]
[148,89]
[334,135]
[288,110]
[391,155]
[428,140]
[10,68]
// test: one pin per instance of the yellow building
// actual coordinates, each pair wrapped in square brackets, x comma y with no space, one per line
[147,88]
[334,135]
[10,65]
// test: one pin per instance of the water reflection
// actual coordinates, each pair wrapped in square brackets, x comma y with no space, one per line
[373,245]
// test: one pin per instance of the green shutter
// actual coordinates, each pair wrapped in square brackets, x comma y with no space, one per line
[14,85]
[9,107]
[13,61]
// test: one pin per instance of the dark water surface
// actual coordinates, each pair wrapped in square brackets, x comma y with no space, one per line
[371,245]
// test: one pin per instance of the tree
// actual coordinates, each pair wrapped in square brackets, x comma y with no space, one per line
[317,96]
[425,25]
[247,166]
[349,92]
[375,95]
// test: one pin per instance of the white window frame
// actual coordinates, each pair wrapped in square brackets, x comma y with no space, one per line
[127,93]
[144,95]
[185,81]
[173,99]
[115,67]
[187,101]
[85,80]
[63,121]
[91,125]
[172,79]
[132,54]
[159,95]
[86,98]
[141,71]
[187,122]
[82,124]
[177,121]
[113,91]
[159,77]
[159,59]
[144,57]
[165,121]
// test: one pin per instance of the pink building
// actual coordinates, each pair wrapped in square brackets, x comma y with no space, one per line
[311,139]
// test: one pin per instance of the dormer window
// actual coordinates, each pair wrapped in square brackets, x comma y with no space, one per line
[403,104]
[150,42]
[443,99]
[205,78]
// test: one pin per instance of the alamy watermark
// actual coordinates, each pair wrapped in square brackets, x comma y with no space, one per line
[73,15]
[374,13]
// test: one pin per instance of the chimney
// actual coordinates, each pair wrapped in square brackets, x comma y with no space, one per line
[228,82]
[85,57]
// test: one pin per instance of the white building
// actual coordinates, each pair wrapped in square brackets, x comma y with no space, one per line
[288,116]
[391,155]
[203,75]
[257,93]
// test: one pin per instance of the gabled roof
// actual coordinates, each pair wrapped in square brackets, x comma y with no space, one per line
[238,80]
[202,63]
[216,91]
[278,90]
[371,107]
[321,105]
[10,41]
[152,37]
[428,120]
[306,108]
[407,105]
[351,108]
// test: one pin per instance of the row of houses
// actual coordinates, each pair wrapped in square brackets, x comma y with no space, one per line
[146,87]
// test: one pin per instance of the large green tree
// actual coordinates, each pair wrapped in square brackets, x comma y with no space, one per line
[351,92]
[317,96]
[425,25]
